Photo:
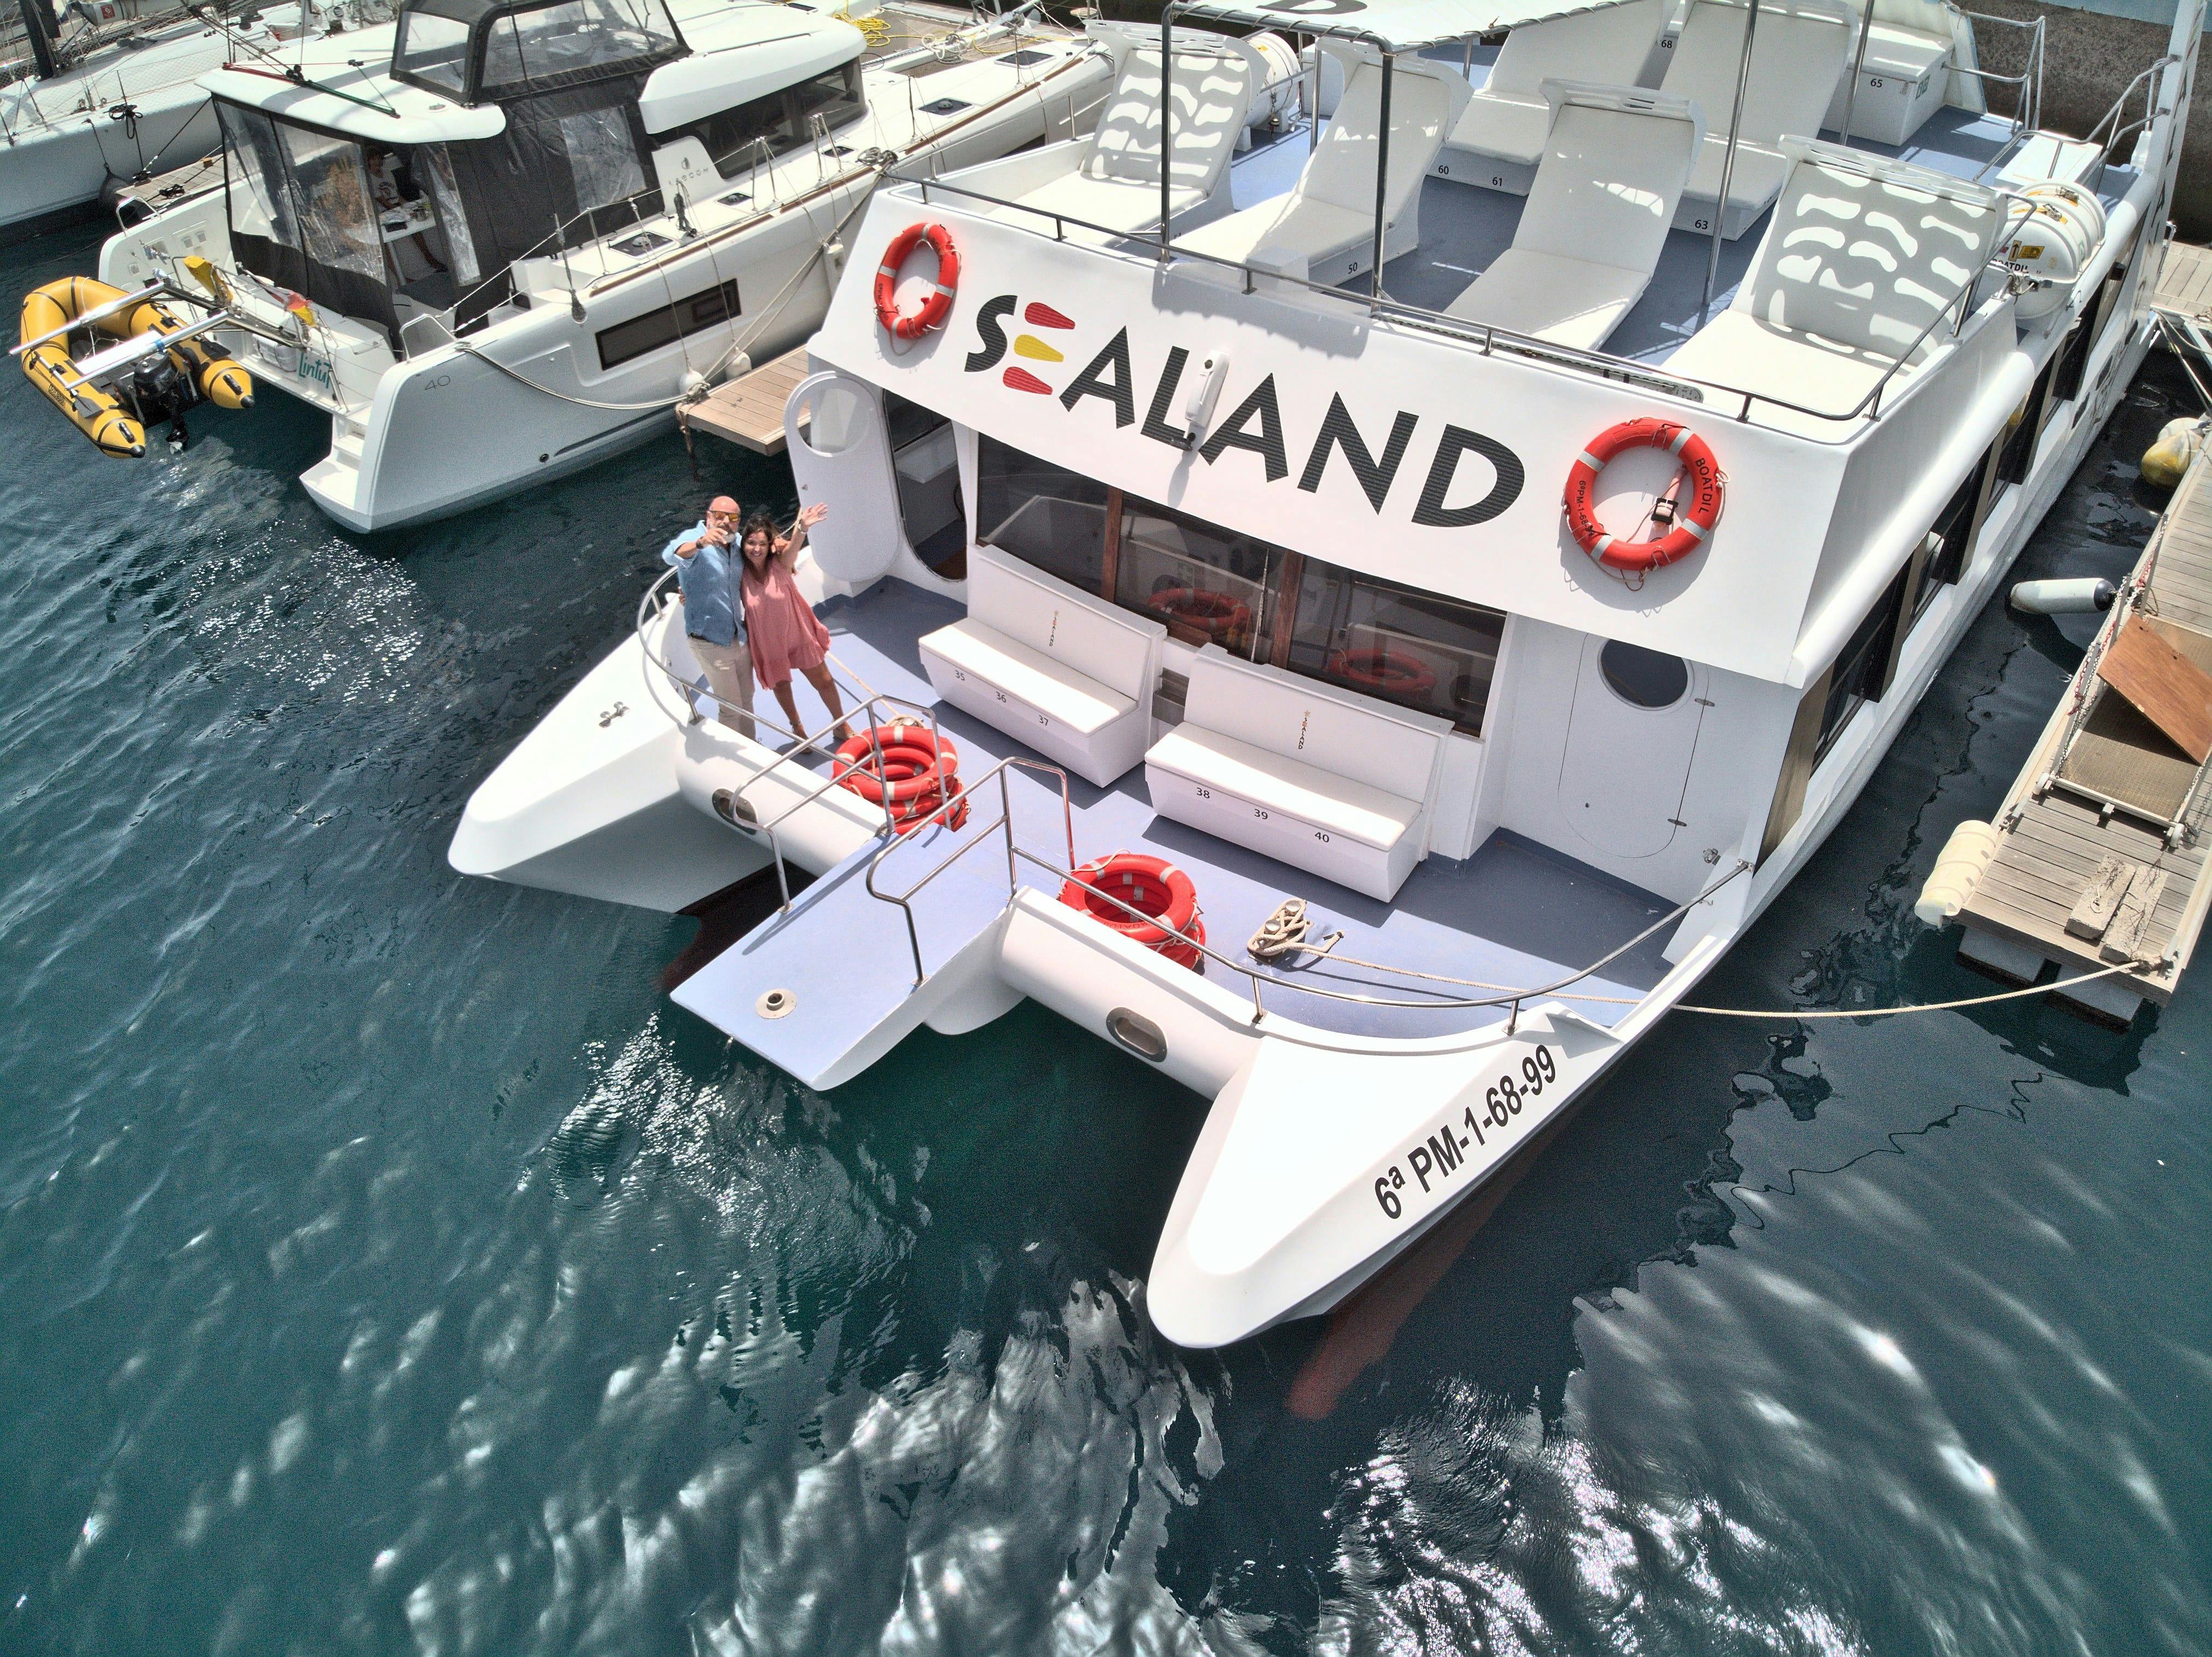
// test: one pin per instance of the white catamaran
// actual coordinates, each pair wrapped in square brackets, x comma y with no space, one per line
[519,236]
[1475,552]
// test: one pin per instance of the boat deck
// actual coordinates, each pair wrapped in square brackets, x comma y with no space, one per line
[2057,837]
[1465,226]
[1515,915]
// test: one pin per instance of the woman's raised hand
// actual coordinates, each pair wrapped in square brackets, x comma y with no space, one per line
[811,515]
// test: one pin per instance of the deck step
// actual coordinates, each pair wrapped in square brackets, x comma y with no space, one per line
[843,962]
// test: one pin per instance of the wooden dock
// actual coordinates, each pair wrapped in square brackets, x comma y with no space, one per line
[748,410]
[2184,283]
[2101,840]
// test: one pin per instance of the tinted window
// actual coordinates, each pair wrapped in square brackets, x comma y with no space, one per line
[1209,585]
[664,326]
[778,123]
[1648,678]
[1383,640]
[534,47]
[432,48]
[1041,514]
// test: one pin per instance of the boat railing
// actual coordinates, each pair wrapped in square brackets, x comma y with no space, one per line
[730,804]
[2027,85]
[1486,336]
[2148,80]
[1511,1000]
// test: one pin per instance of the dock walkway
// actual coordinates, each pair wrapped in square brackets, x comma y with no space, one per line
[748,410]
[2101,847]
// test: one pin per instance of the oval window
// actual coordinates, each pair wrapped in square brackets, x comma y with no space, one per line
[835,418]
[1647,678]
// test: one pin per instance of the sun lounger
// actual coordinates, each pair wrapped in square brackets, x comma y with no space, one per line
[1596,218]
[1498,140]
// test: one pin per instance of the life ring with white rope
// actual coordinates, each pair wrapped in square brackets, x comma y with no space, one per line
[1693,521]
[1167,898]
[932,311]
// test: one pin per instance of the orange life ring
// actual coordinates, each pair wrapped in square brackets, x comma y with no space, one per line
[907,770]
[1693,523]
[934,309]
[1218,615]
[1391,672]
[1170,922]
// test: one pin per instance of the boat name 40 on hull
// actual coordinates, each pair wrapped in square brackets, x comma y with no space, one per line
[1438,1158]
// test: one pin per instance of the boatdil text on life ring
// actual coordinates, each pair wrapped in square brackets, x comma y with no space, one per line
[932,311]
[1694,520]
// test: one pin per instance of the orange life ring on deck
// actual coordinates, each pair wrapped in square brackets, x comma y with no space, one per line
[906,769]
[934,309]
[1170,922]
[1218,615]
[1393,673]
[1693,523]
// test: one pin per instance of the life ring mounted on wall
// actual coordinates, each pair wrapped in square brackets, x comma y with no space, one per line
[932,311]
[1693,520]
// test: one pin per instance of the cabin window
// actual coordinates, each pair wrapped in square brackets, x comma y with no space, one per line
[1951,539]
[1210,585]
[1862,669]
[433,49]
[331,194]
[571,41]
[260,201]
[1042,514]
[1642,678]
[710,308]
[1420,649]
[602,157]
[780,121]
[434,167]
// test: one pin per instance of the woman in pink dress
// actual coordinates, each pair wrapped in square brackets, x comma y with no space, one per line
[785,634]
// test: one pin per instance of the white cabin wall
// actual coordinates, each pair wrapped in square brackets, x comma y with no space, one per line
[1898,478]
[1739,742]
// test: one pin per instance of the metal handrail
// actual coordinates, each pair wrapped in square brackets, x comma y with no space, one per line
[1488,336]
[2150,106]
[865,705]
[1512,999]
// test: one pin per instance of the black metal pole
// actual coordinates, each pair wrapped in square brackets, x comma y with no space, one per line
[1167,121]
[1382,174]
[41,29]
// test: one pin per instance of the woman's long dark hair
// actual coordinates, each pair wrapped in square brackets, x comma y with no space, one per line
[765,525]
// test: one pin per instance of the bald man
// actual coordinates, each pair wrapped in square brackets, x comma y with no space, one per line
[705,559]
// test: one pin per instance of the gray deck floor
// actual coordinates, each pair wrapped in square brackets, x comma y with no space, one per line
[1515,914]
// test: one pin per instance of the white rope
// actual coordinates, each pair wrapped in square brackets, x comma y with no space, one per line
[1284,932]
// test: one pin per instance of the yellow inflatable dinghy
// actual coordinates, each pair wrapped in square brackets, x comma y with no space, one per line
[116,401]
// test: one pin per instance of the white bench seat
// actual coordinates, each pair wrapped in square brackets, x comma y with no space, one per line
[1317,776]
[973,649]
[1315,798]
[1057,668]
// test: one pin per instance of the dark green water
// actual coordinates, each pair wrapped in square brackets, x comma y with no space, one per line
[386,1266]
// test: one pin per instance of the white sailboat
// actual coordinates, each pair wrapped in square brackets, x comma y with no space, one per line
[124,109]
[527,232]
[1482,599]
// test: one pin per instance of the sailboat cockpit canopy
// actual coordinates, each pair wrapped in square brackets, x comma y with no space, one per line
[474,51]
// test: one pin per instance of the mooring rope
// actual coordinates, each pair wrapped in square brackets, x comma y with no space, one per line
[1285,932]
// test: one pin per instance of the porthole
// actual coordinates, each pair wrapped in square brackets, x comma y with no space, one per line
[1642,678]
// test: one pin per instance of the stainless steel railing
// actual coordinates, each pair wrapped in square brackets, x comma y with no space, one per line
[1490,338]
[730,804]
[1016,855]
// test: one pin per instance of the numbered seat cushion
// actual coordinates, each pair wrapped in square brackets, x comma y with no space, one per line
[1076,700]
[1292,787]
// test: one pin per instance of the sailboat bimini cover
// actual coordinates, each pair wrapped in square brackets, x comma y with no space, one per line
[1394,24]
